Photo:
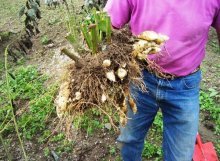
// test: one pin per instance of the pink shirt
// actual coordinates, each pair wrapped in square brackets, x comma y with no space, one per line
[186,22]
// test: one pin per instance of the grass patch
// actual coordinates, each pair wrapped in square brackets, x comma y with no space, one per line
[214,45]
[208,104]
[45,40]
[151,151]
[152,146]
[90,121]
[9,10]
[33,102]
[213,41]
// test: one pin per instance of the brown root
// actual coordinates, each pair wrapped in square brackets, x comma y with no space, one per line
[102,81]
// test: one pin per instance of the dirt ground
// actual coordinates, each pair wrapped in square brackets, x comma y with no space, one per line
[51,62]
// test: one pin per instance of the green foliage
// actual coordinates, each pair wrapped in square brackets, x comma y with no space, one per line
[94,27]
[214,45]
[65,146]
[53,21]
[217,146]
[45,136]
[45,40]
[32,15]
[90,121]
[1,66]
[73,23]
[151,150]
[158,122]
[112,150]
[4,35]
[152,147]
[40,109]
[208,103]
[213,42]
[58,137]
[118,158]
[12,109]
[62,145]
[27,85]
[46,152]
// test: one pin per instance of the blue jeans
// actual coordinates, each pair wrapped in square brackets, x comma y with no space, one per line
[179,103]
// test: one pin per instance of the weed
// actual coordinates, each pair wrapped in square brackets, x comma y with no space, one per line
[53,21]
[62,145]
[152,147]
[65,146]
[58,137]
[45,40]
[73,22]
[213,41]
[46,134]
[208,104]
[94,28]
[27,85]
[11,105]
[217,146]
[90,121]
[32,13]
[118,158]
[214,46]
[46,152]
[5,147]
[151,150]
[1,66]
[4,35]
[112,150]
[158,122]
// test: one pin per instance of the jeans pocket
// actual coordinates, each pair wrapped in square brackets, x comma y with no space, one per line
[192,81]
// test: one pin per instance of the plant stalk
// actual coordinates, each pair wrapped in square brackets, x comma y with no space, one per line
[95,38]
[78,62]
[86,36]
[108,29]
[9,97]
[5,148]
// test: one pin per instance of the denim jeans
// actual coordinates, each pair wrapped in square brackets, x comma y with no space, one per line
[178,100]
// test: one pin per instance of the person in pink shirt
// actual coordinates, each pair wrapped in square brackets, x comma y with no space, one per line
[187,23]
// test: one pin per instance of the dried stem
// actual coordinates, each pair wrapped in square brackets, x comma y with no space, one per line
[73,56]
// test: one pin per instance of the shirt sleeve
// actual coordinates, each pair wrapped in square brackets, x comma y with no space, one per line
[119,11]
[216,21]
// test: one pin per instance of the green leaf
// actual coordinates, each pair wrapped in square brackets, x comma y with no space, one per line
[71,38]
[34,6]
[31,14]
[95,38]
[108,29]
[38,2]
[87,36]
[21,11]
[213,92]
[102,26]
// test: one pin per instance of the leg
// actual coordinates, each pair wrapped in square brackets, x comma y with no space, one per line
[133,134]
[180,109]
